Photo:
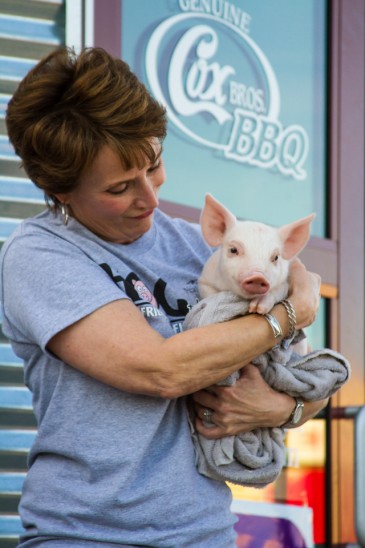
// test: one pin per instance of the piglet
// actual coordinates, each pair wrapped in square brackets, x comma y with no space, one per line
[252,259]
[248,273]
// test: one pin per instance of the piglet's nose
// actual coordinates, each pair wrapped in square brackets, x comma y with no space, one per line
[256,285]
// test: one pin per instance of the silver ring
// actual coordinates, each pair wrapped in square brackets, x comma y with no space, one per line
[207,414]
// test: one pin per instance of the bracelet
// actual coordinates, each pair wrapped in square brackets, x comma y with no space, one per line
[274,324]
[291,316]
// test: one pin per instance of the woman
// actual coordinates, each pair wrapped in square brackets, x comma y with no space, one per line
[94,291]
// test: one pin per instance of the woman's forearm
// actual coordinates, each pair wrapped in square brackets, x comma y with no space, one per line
[248,404]
[115,345]
[138,359]
[216,351]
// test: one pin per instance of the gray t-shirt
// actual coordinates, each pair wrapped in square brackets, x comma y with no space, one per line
[107,466]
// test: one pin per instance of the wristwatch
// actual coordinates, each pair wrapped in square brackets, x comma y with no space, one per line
[296,414]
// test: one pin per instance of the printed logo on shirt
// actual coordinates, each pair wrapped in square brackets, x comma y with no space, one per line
[143,292]
[150,303]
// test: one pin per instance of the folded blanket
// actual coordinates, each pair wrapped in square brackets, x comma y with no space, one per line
[256,458]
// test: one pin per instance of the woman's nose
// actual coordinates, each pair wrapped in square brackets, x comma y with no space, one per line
[146,197]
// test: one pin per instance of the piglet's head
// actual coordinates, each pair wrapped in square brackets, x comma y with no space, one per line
[253,258]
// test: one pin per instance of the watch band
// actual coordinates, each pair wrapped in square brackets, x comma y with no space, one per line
[296,414]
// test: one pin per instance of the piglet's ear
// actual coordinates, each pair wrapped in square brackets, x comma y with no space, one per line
[215,220]
[295,236]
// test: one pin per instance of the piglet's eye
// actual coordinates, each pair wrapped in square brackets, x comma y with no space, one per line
[275,258]
[233,250]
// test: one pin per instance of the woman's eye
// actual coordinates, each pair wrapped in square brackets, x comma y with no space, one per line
[154,167]
[117,190]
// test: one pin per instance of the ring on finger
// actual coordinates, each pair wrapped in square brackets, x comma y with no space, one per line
[207,416]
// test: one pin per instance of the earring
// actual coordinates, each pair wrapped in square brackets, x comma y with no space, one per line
[64,213]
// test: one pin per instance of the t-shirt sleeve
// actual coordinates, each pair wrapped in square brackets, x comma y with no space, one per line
[48,284]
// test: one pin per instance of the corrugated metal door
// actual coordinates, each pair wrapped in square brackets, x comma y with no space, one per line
[29,29]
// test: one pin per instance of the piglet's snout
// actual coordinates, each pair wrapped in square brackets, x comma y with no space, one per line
[255,284]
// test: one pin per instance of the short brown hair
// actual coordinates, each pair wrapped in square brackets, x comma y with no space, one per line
[68,106]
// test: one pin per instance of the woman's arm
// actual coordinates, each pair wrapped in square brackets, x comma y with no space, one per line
[116,345]
[250,403]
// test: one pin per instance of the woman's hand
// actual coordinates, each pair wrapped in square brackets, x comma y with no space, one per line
[250,403]
[304,293]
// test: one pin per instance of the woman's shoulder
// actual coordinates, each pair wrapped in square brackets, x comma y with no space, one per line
[43,234]
[178,224]
[24,229]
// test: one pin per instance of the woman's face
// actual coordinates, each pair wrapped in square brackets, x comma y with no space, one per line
[114,203]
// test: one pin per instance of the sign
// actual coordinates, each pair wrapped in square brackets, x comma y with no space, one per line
[279,525]
[243,85]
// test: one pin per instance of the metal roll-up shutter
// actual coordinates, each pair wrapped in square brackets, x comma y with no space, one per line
[29,29]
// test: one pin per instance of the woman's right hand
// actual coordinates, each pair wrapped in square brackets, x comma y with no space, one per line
[304,293]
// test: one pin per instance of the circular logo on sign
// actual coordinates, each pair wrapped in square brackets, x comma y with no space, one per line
[220,90]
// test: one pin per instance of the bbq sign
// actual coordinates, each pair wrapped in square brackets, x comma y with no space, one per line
[219,87]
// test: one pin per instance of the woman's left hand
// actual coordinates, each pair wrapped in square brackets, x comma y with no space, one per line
[250,403]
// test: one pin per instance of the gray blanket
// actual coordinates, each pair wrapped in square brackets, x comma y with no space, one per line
[256,458]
